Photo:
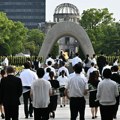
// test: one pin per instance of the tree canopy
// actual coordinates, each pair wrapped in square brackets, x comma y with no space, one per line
[102,29]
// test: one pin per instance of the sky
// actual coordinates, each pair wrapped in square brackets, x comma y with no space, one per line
[112,5]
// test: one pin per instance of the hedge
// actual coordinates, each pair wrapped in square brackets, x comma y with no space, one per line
[18,61]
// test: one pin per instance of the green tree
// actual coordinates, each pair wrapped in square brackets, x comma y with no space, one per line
[36,37]
[101,28]
[5,49]
[12,33]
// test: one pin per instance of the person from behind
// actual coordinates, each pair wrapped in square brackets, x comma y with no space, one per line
[5,62]
[10,92]
[36,63]
[54,97]
[40,93]
[106,94]
[87,63]
[91,69]
[101,62]
[3,74]
[92,86]
[116,77]
[63,80]
[63,67]
[76,59]
[50,59]
[27,76]
[46,75]
[49,65]
[75,90]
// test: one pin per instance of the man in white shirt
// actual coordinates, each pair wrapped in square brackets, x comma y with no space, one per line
[75,90]
[40,92]
[50,66]
[106,94]
[91,69]
[63,68]
[76,59]
[50,59]
[27,77]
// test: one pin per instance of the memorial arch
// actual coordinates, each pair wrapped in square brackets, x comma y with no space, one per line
[62,29]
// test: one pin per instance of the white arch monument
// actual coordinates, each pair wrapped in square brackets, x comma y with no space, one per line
[66,29]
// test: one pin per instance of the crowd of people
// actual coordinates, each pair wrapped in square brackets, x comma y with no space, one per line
[42,85]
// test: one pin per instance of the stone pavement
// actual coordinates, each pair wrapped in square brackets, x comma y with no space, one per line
[64,114]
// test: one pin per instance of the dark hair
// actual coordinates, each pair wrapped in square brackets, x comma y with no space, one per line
[48,70]
[62,63]
[114,68]
[87,58]
[63,73]
[92,64]
[27,65]
[2,72]
[49,63]
[107,73]
[51,74]
[76,54]
[49,55]
[40,72]
[10,69]
[78,68]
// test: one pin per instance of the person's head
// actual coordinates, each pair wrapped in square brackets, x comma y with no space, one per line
[107,73]
[78,68]
[92,64]
[10,69]
[35,57]
[40,72]
[101,53]
[27,65]
[2,73]
[49,55]
[76,54]
[63,73]
[62,63]
[94,55]
[48,70]
[49,63]
[114,68]
[51,74]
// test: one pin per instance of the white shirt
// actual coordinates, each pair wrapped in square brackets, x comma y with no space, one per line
[76,86]
[40,91]
[27,77]
[90,70]
[50,59]
[63,68]
[94,61]
[46,76]
[106,67]
[52,69]
[6,61]
[62,80]
[76,60]
[107,92]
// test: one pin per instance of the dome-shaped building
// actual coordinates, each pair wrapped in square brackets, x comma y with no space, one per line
[66,12]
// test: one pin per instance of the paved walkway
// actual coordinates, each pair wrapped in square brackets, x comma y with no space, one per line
[64,114]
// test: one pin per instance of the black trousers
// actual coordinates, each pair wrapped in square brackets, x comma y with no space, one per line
[28,107]
[77,104]
[11,112]
[41,114]
[107,112]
